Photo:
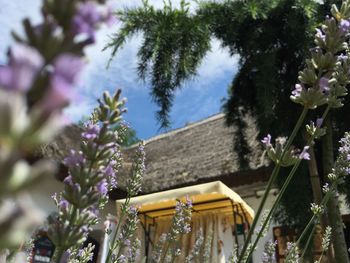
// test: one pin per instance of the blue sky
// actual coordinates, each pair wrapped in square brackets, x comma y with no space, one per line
[198,99]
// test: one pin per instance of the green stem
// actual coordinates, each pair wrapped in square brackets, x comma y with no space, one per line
[113,246]
[272,210]
[271,182]
[309,240]
[311,222]
[165,251]
[58,254]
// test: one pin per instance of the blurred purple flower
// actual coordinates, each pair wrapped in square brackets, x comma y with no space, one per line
[320,34]
[24,63]
[63,204]
[297,91]
[86,19]
[102,187]
[66,70]
[91,132]
[319,122]
[267,140]
[67,67]
[304,154]
[122,259]
[324,84]
[110,174]
[75,159]
[344,26]
[68,180]
[65,256]
[342,57]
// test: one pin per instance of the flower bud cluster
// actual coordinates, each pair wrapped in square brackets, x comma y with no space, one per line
[167,244]
[342,164]
[83,255]
[133,184]
[91,177]
[292,253]
[126,234]
[196,250]
[124,246]
[326,238]
[317,209]
[181,220]
[291,156]
[268,255]
[315,130]
[326,74]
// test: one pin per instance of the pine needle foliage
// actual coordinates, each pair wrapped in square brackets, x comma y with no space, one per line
[173,46]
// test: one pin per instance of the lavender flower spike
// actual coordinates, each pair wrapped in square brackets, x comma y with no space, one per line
[304,154]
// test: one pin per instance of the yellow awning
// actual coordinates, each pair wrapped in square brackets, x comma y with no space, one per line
[207,197]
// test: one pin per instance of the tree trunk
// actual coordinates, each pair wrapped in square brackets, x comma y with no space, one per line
[316,187]
[334,217]
[314,177]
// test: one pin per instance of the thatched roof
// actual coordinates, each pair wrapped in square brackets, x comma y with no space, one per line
[199,152]
[67,139]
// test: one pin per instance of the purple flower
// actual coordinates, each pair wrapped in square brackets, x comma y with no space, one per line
[189,201]
[24,63]
[85,229]
[109,171]
[267,140]
[63,204]
[122,259]
[102,187]
[297,91]
[324,84]
[342,57]
[91,132]
[65,256]
[67,67]
[320,34]
[66,70]
[304,154]
[75,159]
[344,26]
[68,180]
[86,19]
[127,242]
[319,122]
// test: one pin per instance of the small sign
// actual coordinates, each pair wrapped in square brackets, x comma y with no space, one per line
[43,250]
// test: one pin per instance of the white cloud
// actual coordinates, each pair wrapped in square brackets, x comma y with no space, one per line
[11,15]
[217,65]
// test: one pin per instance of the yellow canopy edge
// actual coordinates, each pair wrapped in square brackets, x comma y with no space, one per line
[214,196]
